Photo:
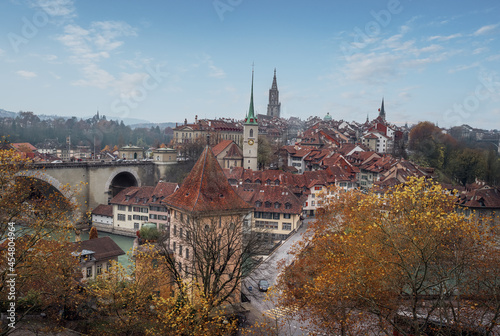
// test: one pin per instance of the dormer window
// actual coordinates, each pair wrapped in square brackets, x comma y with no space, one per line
[288,206]
[277,205]
[268,204]
[258,204]
[127,198]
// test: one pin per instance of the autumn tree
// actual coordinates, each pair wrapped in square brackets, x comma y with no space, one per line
[93,233]
[130,301]
[370,260]
[218,252]
[466,165]
[35,220]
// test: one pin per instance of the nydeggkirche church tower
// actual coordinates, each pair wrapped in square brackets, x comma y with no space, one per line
[250,136]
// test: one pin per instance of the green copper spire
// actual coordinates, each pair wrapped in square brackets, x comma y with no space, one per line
[251,119]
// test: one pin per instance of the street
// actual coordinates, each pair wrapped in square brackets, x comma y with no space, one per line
[262,305]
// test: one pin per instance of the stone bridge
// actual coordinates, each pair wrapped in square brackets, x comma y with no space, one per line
[94,183]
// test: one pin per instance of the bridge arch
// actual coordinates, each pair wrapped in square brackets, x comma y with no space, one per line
[121,179]
[61,188]
[66,192]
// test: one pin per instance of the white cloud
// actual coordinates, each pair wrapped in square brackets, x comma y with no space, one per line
[485,29]
[494,57]
[1,52]
[464,67]
[430,49]
[372,68]
[56,76]
[26,74]
[96,43]
[56,8]
[480,50]
[444,38]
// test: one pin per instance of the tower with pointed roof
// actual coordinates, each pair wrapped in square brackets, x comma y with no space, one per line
[207,219]
[250,136]
[274,106]
[381,112]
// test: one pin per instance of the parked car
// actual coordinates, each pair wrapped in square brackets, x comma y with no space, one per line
[263,285]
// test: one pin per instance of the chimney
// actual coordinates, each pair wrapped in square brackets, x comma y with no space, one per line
[196,119]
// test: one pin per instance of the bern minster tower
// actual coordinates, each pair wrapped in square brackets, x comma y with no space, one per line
[250,137]
[274,106]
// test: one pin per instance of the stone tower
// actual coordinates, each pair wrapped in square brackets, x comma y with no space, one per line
[274,106]
[250,137]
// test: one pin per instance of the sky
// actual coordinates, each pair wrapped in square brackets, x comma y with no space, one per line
[166,60]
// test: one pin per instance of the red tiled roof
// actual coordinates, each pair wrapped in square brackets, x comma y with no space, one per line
[23,147]
[105,248]
[206,189]
[133,195]
[162,190]
[217,149]
[103,210]
[234,152]
[263,194]
[485,197]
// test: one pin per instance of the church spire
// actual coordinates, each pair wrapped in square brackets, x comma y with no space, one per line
[274,86]
[250,119]
[382,110]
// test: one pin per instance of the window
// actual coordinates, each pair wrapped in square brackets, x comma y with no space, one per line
[99,269]
[144,218]
[144,209]
[129,208]
[108,266]
[251,133]
[89,272]
[257,214]
[277,205]
[268,204]
[287,216]
[289,206]
[137,209]
[276,216]
[129,217]
[312,203]
[258,204]
[313,195]
[317,188]
[266,225]
[136,226]
[173,246]
[180,250]
[121,217]
[122,207]
[187,253]
[175,230]
[137,217]
[287,226]
[267,215]
[180,232]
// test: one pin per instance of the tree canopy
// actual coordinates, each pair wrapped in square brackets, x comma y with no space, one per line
[371,258]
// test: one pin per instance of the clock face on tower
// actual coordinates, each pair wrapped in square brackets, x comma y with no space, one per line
[250,142]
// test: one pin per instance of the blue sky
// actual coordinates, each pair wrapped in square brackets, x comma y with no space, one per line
[168,60]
